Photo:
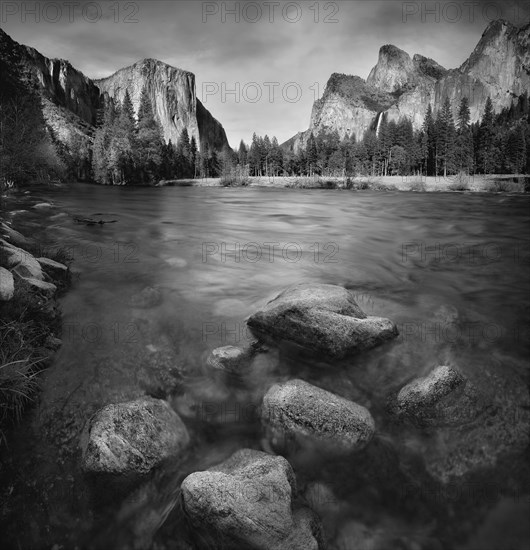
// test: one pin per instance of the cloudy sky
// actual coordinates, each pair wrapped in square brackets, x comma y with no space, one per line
[284,51]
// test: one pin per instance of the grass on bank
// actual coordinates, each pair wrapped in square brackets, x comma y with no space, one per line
[30,324]
[456,183]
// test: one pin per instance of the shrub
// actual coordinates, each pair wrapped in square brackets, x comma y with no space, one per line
[504,186]
[417,185]
[460,182]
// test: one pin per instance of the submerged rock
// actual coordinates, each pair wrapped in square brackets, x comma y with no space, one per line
[442,398]
[132,438]
[247,501]
[235,359]
[7,285]
[296,409]
[479,429]
[149,297]
[230,359]
[322,318]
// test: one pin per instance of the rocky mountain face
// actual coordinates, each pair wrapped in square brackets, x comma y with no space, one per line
[71,99]
[401,86]
[173,97]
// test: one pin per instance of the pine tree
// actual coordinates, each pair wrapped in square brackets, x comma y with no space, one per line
[194,156]
[184,154]
[464,139]
[242,153]
[487,138]
[515,150]
[150,143]
[428,143]
[122,147]
[311,155]
[445,138]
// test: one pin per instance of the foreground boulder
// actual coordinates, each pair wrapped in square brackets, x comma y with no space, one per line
[247,501]
[296,409]
[322,318]
[442,398]
[132,438]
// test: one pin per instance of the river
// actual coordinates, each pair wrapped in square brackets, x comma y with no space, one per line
[451,269]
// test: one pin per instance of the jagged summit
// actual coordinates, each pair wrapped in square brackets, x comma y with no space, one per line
[394,68]
[146,63]
[498,67]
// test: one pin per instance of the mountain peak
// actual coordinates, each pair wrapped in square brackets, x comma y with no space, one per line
[393,69]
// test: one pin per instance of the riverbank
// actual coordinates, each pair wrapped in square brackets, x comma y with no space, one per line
[32,278]
[498,183]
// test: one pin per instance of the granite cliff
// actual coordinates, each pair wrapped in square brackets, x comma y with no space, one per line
[401,86]
[71,99]
[173,97]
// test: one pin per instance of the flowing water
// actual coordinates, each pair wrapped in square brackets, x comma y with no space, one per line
[450,269]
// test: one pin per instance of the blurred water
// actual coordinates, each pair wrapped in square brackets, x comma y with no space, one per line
[450,269]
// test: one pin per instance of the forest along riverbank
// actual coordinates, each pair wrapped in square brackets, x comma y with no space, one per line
[155,335]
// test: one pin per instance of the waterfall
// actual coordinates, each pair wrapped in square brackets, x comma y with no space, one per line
[378,123]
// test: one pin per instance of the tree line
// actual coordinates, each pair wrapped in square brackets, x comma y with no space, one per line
[443,146]
[129,148]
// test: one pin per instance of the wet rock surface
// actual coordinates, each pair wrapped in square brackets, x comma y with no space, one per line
[468,432]
[132,437]
[442,398]
[296,409]
[247,501]
[322,318]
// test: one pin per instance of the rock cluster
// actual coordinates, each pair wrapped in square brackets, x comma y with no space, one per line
[250,500]
[18,265]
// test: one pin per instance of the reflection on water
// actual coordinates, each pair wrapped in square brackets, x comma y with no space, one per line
[451,270]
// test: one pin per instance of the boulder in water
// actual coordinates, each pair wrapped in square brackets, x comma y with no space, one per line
[132,438]
[322,318]
[247,501]
[297,409]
